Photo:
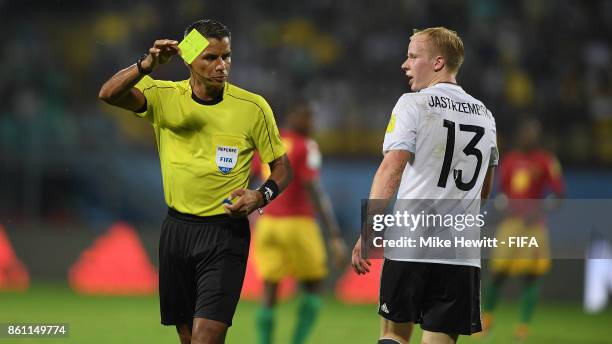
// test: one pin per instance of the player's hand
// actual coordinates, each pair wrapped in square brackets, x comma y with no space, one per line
[360,265]
[160,53]
[338,251]
[248,201]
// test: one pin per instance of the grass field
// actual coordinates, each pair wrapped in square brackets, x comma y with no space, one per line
[136,320]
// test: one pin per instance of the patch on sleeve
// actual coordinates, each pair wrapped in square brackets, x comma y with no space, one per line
[391,125]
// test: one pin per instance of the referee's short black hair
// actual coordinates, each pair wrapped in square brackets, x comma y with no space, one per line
[210,28]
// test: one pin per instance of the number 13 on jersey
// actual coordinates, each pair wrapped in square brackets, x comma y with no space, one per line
[469,149]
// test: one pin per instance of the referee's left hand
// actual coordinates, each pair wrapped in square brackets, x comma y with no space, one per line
[248,202]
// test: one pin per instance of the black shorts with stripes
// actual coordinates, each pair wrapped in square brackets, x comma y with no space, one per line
[441,297]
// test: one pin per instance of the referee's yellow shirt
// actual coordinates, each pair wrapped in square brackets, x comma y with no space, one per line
[205,149]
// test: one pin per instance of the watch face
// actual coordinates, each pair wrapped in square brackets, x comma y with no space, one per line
[268,193]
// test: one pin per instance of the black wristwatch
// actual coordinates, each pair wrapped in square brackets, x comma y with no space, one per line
[267,195]
[269,191]
[139,65]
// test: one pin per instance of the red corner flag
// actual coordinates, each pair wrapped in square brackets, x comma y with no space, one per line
[115,264]
[13,274]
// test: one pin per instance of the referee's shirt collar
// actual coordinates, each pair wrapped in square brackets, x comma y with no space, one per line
[212,101]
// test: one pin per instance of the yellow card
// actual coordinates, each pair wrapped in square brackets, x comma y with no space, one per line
[192,45]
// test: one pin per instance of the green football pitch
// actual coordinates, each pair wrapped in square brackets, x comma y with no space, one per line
[136,320]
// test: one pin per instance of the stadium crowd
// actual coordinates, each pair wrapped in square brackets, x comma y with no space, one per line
[551,59]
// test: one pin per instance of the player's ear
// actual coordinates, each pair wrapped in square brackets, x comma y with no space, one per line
[438,63]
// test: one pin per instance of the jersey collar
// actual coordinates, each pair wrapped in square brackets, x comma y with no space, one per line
[212,101]
[446,84]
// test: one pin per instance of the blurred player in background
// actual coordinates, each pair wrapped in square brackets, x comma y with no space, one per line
[288,241]
[443,295]
[526,174]
[207,131]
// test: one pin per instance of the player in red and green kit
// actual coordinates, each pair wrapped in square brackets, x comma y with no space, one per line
[287,239]
[526,174]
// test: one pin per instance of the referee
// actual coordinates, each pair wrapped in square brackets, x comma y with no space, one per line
[207,131]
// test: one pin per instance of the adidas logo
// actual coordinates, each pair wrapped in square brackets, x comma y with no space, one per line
[384,308]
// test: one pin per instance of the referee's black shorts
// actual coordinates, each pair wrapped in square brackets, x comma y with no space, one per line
[202,262]
[441,297]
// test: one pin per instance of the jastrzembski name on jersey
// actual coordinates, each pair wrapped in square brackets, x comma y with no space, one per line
[447,103]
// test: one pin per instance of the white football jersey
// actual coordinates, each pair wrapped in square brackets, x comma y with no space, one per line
[452,137]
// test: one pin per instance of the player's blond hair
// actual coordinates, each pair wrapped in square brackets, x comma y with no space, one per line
[445,42]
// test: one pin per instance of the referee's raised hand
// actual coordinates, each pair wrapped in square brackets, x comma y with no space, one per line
[160,53]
